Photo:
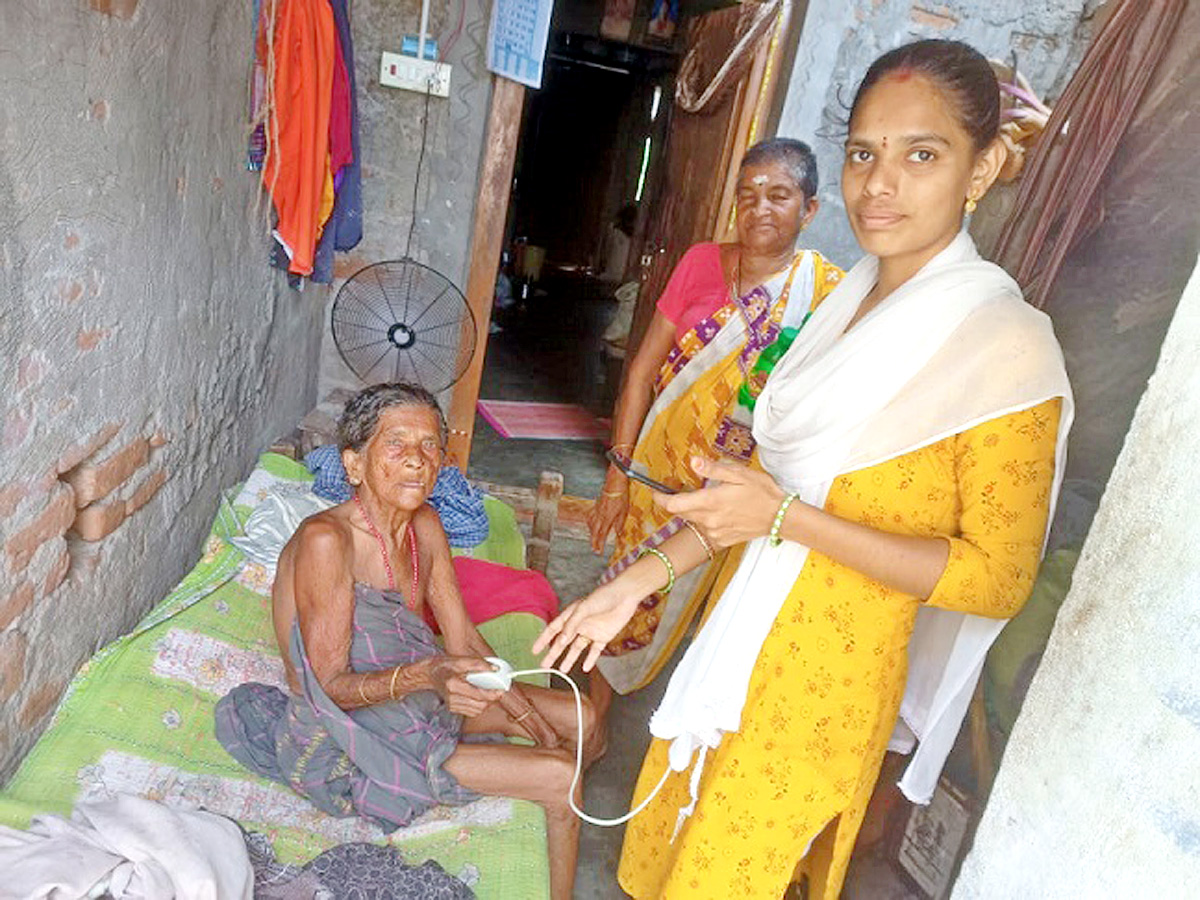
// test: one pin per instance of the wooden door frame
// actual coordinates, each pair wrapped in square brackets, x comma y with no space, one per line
[487,242]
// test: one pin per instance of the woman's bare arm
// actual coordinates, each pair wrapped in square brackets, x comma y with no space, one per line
[742,506]
[324,589]
[629,412]
[461,636]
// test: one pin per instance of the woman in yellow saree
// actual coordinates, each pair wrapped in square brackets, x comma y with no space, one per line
[723,305]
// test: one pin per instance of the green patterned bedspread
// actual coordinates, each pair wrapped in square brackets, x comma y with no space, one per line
[138,718]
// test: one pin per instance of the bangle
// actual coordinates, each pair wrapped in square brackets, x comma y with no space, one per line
[708,548]
[666,561]
[392,684]
[361,681]
[612,493]
[773,534]
[523,716]
[630,444]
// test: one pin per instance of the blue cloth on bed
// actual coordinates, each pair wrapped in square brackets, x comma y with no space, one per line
[457,503]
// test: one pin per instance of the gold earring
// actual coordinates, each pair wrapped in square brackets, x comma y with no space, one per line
[970,205]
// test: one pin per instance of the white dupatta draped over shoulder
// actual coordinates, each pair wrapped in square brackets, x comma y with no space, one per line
[954,346]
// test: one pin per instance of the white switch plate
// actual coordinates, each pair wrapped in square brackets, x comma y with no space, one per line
[412,74]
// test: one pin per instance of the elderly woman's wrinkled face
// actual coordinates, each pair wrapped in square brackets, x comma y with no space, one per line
[400,463]
[771,209]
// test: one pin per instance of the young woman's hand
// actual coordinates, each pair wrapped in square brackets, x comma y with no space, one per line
[738,504]
[585,627]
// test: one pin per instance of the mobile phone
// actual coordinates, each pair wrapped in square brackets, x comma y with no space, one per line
[627,466]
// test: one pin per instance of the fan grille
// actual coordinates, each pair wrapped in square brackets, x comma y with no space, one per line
[403,321]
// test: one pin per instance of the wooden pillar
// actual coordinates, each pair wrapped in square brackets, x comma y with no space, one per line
[487,237]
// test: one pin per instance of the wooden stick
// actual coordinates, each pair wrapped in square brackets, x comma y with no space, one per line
[487,238]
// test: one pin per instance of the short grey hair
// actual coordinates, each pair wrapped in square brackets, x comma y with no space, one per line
[361,416]
[796,158]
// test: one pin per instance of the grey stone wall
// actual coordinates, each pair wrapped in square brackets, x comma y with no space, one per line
[390,135]
[148,353]
[1099,792]
[841,38]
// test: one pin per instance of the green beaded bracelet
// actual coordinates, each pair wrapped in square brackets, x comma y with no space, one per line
[666,561]
[773,534]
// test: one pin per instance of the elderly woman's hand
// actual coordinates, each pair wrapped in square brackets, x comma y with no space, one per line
[447,676]
[608,512]
[738,504]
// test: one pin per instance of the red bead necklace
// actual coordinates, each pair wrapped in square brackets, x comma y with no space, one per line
[387,563]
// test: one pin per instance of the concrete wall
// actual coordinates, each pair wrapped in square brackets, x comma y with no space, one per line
[1099,792]
[841,38]
[137,308]
[390,135]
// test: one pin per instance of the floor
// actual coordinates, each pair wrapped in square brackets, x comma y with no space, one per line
[548,352]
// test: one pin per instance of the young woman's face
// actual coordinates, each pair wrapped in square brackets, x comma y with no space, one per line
[909,168]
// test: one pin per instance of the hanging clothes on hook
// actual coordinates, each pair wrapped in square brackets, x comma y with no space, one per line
[298,45]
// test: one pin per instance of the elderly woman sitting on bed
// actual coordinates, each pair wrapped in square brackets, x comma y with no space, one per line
[377,709]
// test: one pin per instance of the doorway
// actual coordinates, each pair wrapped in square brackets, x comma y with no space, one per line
[589,155]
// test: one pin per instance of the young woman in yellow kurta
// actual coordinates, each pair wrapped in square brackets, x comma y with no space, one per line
[910,443]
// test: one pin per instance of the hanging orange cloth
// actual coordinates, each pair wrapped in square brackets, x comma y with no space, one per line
[296,173]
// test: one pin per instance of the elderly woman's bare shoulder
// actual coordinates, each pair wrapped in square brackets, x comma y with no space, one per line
[328,533]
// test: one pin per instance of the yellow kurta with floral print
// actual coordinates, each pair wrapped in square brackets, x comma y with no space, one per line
[827,685]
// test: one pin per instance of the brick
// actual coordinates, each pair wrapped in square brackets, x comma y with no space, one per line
[146,491]
[81,451]
[939,19]
[58,573]
[11,496]
[31,370]
[89,338]
[93,481]
[17,601]
[16,428]
[13,646]
[120,9]
[51,522]
[71,290]
[99,520]
[40,703]
[99,111]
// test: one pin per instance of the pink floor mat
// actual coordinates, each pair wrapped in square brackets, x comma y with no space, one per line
[543,421]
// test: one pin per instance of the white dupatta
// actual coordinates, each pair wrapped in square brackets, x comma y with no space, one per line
[954,346]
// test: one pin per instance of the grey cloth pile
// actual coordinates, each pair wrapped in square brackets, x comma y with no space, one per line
[350,872]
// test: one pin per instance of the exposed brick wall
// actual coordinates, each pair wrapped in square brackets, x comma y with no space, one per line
[147,352]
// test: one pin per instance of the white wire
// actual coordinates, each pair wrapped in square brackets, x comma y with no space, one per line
[579,758]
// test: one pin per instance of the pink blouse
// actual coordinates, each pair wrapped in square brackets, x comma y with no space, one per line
[696,289]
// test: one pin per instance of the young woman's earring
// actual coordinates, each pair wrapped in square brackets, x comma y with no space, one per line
[970,205]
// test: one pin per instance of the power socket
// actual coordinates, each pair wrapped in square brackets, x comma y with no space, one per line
[411,74]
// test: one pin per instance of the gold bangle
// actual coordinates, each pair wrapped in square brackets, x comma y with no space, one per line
[392,684]
[361,681]
[523,716]
[708,548]
[666,561]
[630,444]
[612,493]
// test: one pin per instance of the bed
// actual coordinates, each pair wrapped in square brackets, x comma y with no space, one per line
[138,718]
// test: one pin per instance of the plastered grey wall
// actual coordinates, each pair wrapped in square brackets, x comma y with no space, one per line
[1099,792]
[136,304]
[390,139]
[841,38]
